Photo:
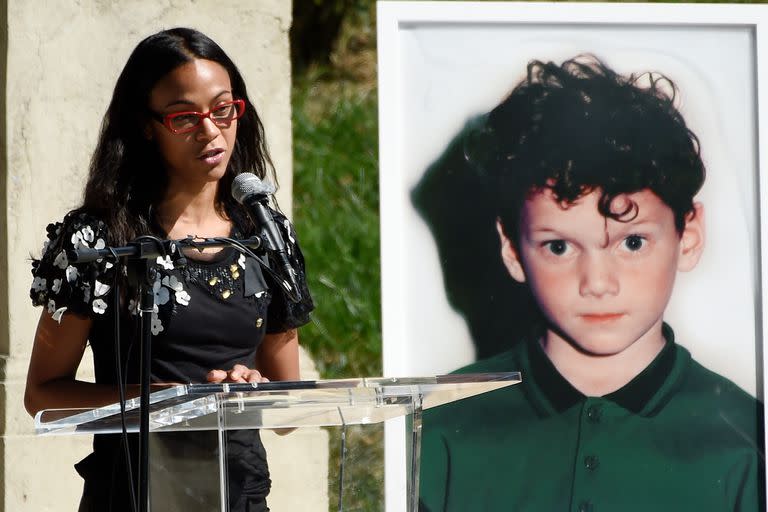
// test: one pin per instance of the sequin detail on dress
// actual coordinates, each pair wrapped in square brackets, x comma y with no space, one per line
[221,281]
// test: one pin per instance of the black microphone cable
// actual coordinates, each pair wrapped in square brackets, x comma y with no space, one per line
[121,383]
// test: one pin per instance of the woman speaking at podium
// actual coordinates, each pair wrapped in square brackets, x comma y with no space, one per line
[178,129]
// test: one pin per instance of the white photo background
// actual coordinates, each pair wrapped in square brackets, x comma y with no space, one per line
[450,73]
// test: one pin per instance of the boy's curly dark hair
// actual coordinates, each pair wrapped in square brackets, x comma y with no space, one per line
[580,127]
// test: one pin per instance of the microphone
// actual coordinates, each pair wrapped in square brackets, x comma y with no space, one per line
[251,192]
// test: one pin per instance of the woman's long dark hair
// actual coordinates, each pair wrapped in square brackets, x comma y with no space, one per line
[127,176]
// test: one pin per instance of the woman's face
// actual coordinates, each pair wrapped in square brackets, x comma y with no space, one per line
[202,155]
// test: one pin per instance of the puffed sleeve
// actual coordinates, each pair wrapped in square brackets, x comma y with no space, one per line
[284,314]
[62,286]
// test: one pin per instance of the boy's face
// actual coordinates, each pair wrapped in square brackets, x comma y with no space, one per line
[602,284]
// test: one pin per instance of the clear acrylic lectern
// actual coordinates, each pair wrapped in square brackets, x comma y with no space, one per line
[190,425]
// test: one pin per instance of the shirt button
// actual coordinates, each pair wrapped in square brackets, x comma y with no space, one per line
[585,506]
[594,413]
[591,462]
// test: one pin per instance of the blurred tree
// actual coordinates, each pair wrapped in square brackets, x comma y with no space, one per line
[317,25]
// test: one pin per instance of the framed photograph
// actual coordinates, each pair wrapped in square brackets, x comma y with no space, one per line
[447,296]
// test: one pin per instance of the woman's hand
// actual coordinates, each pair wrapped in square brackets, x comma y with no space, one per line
[238,373]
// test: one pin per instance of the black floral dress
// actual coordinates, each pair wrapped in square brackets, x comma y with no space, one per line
[208,314]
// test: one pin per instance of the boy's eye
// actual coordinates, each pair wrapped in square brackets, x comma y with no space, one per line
[634,242]
[557,247]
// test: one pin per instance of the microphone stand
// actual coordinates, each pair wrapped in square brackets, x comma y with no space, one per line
[142,273]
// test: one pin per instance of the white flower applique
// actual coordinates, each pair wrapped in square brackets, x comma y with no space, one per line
[61,260]
[100,289]
[166,262]
[59,313]
[83,237]
[71,273]
[161,293]
[87,234]
[181,296]
[77,240]
[99,306]
[157,325]
[173,283]
[241,261]
[38,284]
[51,306]
[56,286]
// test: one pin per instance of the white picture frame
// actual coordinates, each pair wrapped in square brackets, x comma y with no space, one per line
[441,64]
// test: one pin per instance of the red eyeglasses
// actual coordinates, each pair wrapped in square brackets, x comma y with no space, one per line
[222,115]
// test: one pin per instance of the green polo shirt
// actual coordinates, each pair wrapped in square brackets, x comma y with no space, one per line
[678,437]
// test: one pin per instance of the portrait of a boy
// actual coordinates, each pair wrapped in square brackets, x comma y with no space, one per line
[595,175]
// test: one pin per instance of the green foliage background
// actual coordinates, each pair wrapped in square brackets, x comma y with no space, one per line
[336,204]
[336,195]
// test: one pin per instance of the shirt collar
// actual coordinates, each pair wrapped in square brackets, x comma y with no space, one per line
[632,396]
